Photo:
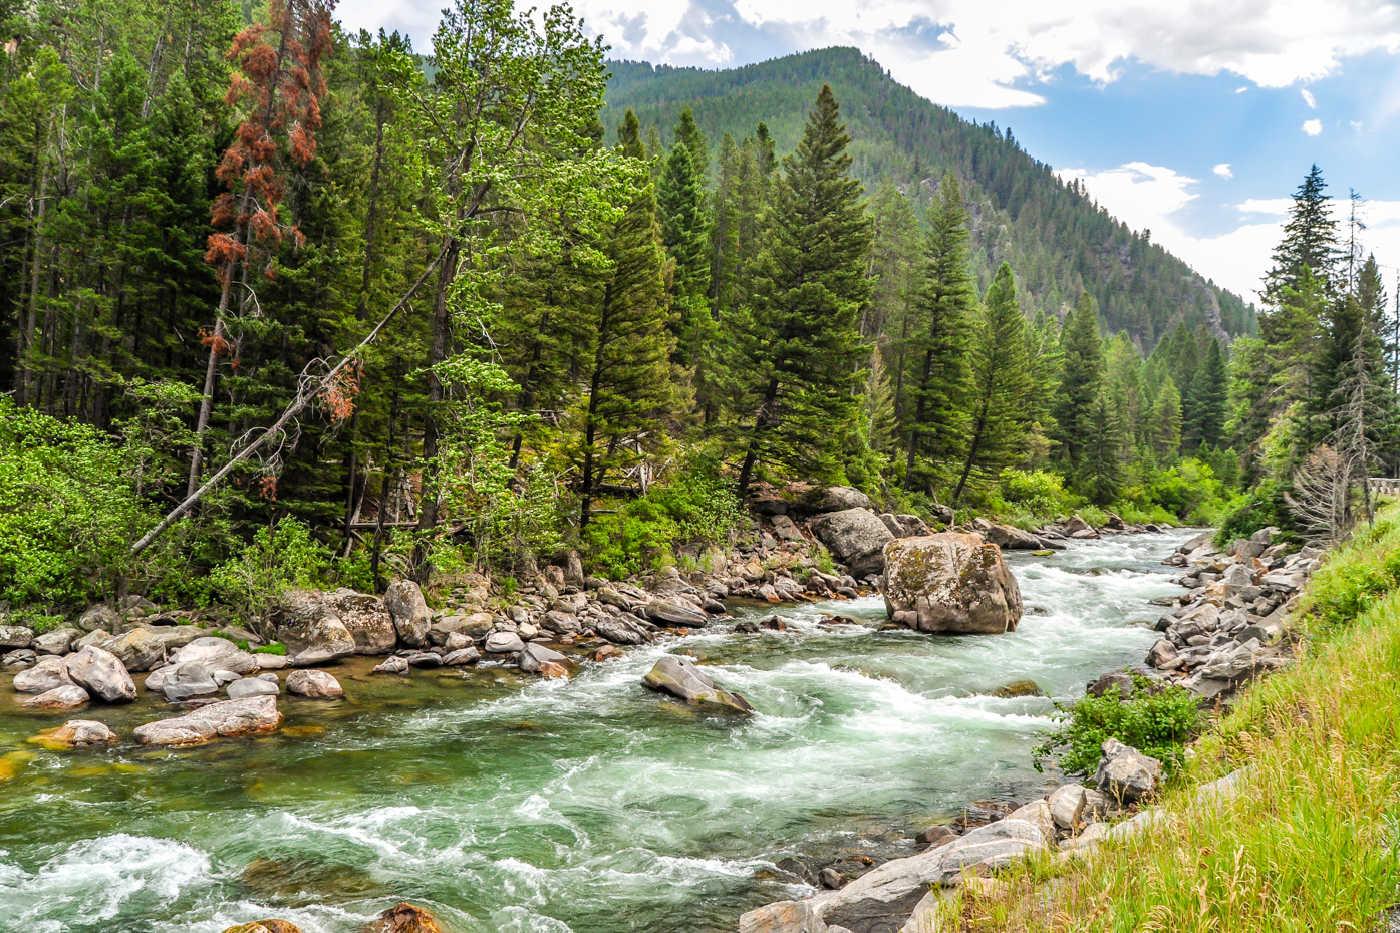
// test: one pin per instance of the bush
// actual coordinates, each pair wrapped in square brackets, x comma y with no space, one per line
[279,558]
[1262,507]
[1356,576]
[275,647]
[696,506]
[68,510]
[1036,491]
[1156,720]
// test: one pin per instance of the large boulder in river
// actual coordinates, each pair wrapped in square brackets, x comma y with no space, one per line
[317,685]
[68,696]
[1006,537]
[856,537]
[676,611]
[679,677]
[409,612]
[224,719]
[950,582]
[101,673]
[311,622]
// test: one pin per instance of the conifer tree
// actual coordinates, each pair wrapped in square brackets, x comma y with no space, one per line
[1207,406]
[1164,422]
[1309,242]
[685,233]
[1082,377]
[689,135]
[628,391]
[1100,462]
[798,350]
[936,354]
[1000,378]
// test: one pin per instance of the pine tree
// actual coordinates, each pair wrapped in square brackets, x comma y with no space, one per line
[936,355]
[1100,464]
[628,392]
[1207,406]
[685,233]
[1000,378]
[689,135]
[1082,377]
[1164,422]
[1309,242]
[798,348]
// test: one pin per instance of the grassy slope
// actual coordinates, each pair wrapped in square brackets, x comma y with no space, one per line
[1311,842]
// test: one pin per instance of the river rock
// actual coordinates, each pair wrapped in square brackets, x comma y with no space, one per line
[620,631]
[215,654]
[1006,537]
[265,926]
[404,918]
[834,499]
[1077,527]
[675,611]
[253,687]
[503,643]
[57,641]
[950,582]
[100,673]
[680,677]
[186,681]
[409,612]
[311,623]
[316,685]
[394,664]
[99,617]
[1125,774]
[462,656]
[534,656]
[82,733]
[856,537]
[224,719]
[19,659]
[15,636]
[144,647]
[63,697]
[1067,806]
[561,623]
[48,672]
[423,659]
[606,653]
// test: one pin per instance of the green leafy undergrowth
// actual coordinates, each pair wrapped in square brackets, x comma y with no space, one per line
[1155,719]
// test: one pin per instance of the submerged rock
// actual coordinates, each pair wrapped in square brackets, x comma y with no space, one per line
[405,918]
[265,926]
[224,719]
[949,582]
[1020,688]
[80,733]
[680,677]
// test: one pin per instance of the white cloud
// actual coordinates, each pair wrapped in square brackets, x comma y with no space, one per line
[975,53]
[1223,170]
[1309,99]
[1152,197]
[1312,127]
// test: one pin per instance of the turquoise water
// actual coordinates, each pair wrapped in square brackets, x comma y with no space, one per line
[590,805]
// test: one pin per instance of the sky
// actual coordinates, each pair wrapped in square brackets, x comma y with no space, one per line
[1194,119]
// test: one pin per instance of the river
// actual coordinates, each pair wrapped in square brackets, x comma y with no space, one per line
[586,806]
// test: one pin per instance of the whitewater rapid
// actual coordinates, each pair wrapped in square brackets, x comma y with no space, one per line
[578,806]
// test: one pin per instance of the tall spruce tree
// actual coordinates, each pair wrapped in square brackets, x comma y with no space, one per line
[1309,241]
[1081,378]
[1100,462]
[798,349]
[1000,379]
[685,233]
[936,344]
[628,394]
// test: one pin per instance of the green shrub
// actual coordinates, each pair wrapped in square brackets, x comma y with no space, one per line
[1038,492]
[1356,576]
[68,510]
[696,506]
[273,647]
[279,558]
[1156,720]
[1262,507]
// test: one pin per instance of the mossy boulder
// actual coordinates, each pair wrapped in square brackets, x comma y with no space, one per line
[950,583]
[679,677]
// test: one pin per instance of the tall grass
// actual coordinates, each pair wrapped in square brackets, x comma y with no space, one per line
[1310,843]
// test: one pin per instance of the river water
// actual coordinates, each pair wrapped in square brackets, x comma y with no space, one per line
[589,805]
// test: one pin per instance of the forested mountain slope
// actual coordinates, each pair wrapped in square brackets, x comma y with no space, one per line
[1054,236]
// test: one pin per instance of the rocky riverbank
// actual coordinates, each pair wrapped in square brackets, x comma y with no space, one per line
[1232,625]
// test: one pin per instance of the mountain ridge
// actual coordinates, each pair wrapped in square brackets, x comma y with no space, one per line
[1056,238]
